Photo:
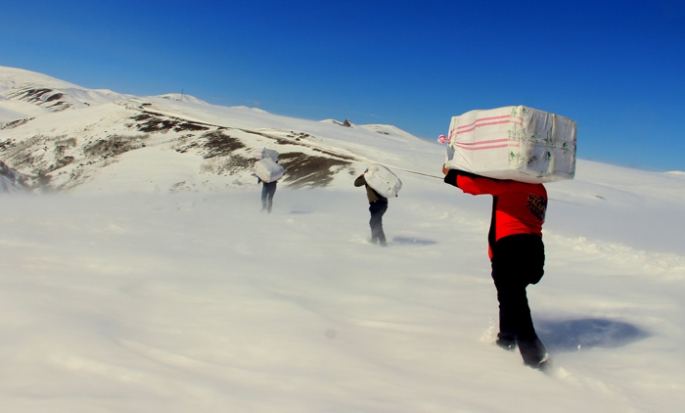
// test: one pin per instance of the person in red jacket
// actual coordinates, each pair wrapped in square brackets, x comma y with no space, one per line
[516,252]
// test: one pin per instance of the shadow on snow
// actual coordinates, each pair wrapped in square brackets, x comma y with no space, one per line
[577,335]
[412,241]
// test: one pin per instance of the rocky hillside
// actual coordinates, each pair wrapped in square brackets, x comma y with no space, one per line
[58,136]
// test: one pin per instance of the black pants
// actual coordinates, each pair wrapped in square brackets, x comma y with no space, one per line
[377,210]
[268,191]
[518,260]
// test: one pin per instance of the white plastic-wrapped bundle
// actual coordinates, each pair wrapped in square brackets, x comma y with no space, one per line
[382,180]
[268,170]
[268,153]
[513,142]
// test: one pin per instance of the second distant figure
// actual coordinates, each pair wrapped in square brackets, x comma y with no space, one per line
[377,206]
[269,172]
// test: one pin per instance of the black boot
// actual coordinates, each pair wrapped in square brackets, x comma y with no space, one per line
[534,353]
[506,342]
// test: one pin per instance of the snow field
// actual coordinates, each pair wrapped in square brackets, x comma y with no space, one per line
[186,301]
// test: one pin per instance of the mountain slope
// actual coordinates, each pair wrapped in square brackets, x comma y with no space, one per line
[72,136]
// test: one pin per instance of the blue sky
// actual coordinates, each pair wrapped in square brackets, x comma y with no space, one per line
[616,67]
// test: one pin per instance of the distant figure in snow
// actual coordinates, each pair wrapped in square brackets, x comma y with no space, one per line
[517,255]
[268,173]
[377,206]
[268,191]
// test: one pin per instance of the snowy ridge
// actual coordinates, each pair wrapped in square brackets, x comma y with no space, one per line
[96,132]
[179,97]
[54,95]
[11,77]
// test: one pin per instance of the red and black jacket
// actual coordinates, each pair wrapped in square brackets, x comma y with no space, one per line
[517,207]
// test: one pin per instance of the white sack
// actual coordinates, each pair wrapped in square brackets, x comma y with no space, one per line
[269,153]
[382,180]
[268,170]
[513,142]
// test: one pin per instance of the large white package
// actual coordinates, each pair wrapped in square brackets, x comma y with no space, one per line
[268,170]
[513,142]
[269,153]
[382,180]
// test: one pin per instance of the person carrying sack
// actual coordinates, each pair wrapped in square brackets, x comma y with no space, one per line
[378,205]
[268,173]
[517,255]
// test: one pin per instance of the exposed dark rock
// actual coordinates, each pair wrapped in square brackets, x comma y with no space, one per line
[62,163]
[6,144]
[218,144]
[114,145]
[155,122]
[156,125]
[227,165]
[15,123]
[304,170]
[41,97]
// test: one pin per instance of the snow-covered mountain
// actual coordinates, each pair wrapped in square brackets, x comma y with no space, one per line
[65,137]
[170,290]
[54,95]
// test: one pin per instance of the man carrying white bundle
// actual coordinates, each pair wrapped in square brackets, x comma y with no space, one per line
[516,252]
[508,153]
[380,183]
[377,206]
[268,172]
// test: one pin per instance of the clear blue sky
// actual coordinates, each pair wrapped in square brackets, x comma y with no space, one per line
[616,67]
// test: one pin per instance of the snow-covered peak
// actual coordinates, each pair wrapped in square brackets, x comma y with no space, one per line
[10,77]
[388,130]
[181,97]
[42,91]
[64,137]
[257,110]
[346,123]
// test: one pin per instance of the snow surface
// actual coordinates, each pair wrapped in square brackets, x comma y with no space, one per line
[116,298]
